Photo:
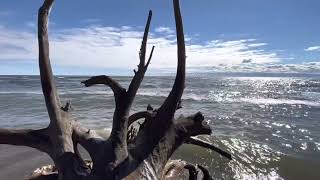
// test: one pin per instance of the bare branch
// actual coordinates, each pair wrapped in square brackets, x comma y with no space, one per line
[170,104]
[150,57]
[157,128]
[139,75]
[106,80]
[139,115]
[60,129]
[191,125]
[204,144]
[119,133]
[31,138]
[143,48]
[47,79]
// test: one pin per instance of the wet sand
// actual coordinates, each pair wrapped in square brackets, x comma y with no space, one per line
[18,162]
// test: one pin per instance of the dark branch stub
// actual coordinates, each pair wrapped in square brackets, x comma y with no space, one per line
[193,172]
[204,144]
[67,107]
[129,152]
[150,57]
[205,172]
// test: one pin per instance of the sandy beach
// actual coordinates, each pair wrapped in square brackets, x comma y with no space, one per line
[18,162]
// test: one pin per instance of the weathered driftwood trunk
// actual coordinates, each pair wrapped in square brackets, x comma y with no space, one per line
[127,153]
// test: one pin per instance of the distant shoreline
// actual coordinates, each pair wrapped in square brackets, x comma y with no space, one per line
[192,73]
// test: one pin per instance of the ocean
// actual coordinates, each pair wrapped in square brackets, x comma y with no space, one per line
[270,124]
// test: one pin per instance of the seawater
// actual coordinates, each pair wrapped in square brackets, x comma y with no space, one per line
[269,124]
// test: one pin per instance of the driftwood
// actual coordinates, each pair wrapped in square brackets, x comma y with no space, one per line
[126,154]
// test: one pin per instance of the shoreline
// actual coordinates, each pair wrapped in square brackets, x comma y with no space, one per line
[18,162]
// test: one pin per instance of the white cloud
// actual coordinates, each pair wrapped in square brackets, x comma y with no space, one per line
[112,47]
[17,45]
[257,44]
[313,48]
[307,67]
[162,29]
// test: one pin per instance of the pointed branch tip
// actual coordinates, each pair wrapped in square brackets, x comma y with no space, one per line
[150,56]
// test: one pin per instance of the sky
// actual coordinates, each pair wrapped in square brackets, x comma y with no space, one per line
[104,37]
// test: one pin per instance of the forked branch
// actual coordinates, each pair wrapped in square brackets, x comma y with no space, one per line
[142,67]
[119,133]
[39,139]
[124,99]
[143,48]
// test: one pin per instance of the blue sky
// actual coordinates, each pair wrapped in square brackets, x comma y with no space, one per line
[222,35]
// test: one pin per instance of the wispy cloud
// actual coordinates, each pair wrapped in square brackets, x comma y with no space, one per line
[30,24]
[163,29]
[307,67]
[91,20]
[313,48]
[17,44]
[114,47]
